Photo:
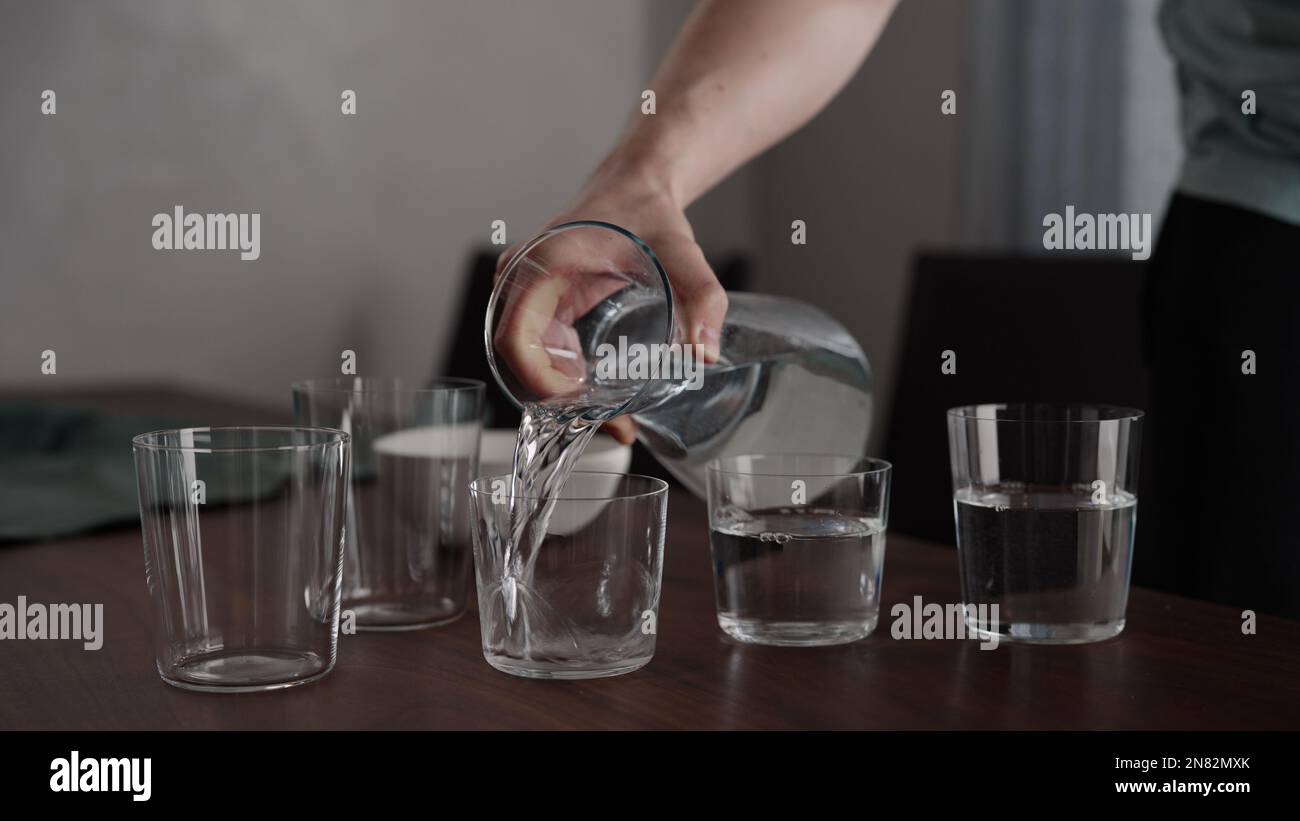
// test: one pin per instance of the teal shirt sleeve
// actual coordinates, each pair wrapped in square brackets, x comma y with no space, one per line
[1223,48]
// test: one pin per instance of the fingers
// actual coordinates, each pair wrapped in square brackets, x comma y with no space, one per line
[504,257]
[622,428]
[542,353]
[551,287]
[699,293]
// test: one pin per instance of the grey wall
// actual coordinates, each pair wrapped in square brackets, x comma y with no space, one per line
[467,112]
[1071,102]
[874,177]
[1067,101]
[726,219]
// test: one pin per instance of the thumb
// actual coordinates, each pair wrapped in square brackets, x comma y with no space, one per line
[700,295]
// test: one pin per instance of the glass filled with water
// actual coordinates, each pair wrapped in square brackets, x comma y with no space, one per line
[1045,502]
[798,544]
[579,597]
[415,449]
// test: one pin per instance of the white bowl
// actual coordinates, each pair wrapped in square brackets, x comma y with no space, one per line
[430,441]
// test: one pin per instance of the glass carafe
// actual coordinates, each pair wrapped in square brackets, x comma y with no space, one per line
[584,315]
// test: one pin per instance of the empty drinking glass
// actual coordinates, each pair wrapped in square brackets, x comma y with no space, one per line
[1045,500]
[584,602]
[414,452]
[243,538]
[798,545]
[582,318]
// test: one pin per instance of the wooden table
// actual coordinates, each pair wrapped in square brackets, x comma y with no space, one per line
[1180,664]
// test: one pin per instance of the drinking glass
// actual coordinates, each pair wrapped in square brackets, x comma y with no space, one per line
[562,298]
[584,603]
[798,545]
[1045,502]
[414,451]
[243,539]
[583,317]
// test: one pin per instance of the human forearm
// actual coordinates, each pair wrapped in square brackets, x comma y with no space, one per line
[741,76]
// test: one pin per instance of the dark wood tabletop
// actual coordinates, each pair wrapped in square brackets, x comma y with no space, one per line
[1180,664]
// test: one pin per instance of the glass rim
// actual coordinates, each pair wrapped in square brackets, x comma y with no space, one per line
[387,384]
[987,412]
[659,487]
[532,243]
[878,466]
[333,436]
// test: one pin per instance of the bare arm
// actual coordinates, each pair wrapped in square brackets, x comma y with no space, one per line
[742,75]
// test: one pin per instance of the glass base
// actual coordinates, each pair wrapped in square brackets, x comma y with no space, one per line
[796,633]
[396,615]
[551,671]
[1021,632]
[246,671]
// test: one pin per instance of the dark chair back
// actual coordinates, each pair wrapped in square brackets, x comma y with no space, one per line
[465,356]
[1050,329]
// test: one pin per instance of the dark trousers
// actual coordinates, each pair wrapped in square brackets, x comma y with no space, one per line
[1219,510]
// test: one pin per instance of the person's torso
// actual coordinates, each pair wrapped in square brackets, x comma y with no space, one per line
[1239,78]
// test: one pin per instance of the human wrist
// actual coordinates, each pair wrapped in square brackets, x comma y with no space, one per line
[642,167]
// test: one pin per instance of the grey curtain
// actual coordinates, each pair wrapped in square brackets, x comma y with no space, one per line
[1042,114]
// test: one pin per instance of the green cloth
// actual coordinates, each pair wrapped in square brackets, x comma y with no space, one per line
[66,471]
[1223,48]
